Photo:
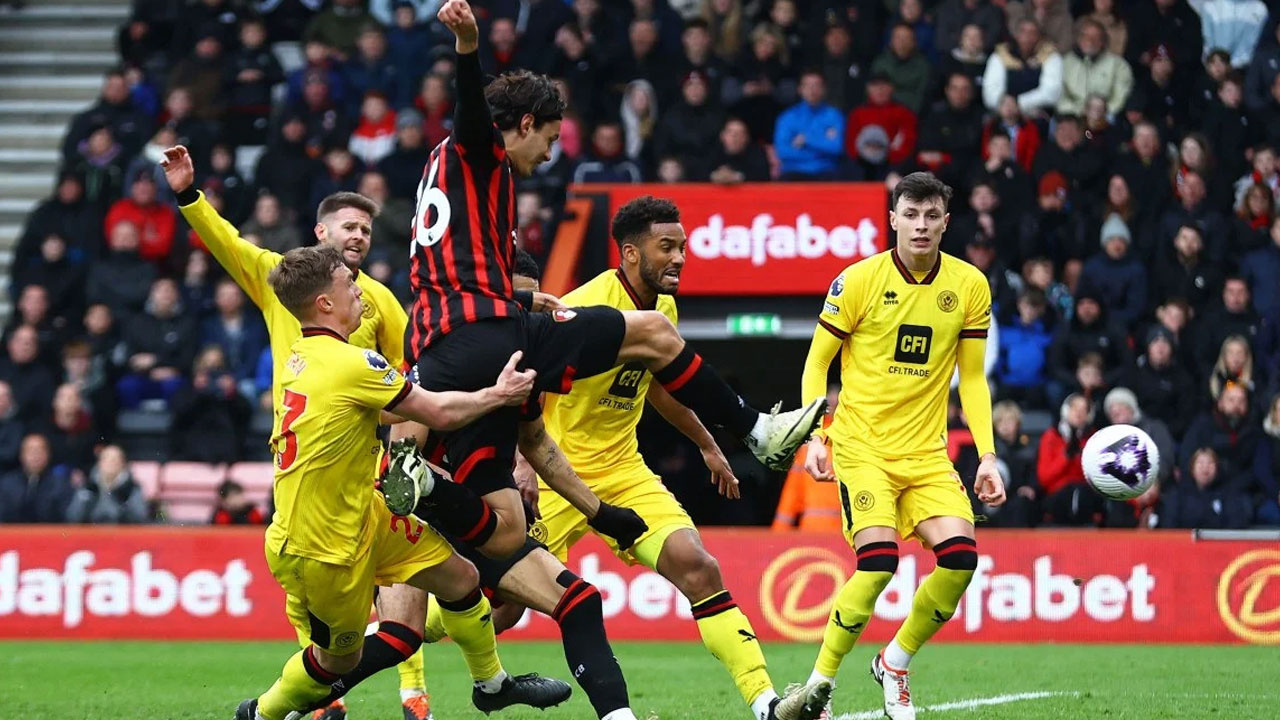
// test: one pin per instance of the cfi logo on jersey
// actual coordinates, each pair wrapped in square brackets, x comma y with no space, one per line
[947,301]
[563,315]
[837,286]
[376,361]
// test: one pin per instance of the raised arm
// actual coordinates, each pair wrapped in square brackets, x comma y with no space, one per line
[246,263]
[472,123]
[453,409]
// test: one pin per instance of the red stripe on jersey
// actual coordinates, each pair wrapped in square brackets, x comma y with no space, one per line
[484,453]
[976,333]
[511,247]
[446,241]
[477,242]
[499,242]
[833,329]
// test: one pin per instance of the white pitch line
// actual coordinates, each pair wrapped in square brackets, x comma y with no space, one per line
[962,704]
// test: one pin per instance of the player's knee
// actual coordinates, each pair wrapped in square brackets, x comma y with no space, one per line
[957,553]
[881,557]
[507,538]
[700,576]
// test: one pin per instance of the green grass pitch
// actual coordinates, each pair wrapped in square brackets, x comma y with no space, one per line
[119,681]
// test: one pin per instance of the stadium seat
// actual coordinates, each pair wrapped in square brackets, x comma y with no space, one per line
[189,512]
[257,479]
[191,481]
[147,475]
[1035,422]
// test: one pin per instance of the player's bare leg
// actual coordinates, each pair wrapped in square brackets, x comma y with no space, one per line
[405,604]
[772,437]
[727,633]
[935,601]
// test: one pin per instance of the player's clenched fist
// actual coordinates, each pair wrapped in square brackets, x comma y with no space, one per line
[457,16]
[179,171]
[988,485]
[817,461]
[514,385]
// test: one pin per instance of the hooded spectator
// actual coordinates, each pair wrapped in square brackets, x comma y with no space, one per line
[1205,498]
[1121,408]
[403,166]
[65,214]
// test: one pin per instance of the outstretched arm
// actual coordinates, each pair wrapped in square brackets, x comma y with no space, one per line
[451,410]
[472,123]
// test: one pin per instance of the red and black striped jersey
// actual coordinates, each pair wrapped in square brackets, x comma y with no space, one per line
[464,225]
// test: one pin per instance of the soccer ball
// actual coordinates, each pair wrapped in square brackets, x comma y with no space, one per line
[1121,461]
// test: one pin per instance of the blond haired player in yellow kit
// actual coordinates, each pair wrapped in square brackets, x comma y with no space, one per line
[902,321]
[331,538]
[343,221]
[595,426]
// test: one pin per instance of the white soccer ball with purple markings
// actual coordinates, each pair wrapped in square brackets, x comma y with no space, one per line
[1121,461]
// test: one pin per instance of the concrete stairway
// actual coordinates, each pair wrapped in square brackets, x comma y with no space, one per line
[52,56]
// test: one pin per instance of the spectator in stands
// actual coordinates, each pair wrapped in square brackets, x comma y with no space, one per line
[1205,497]
[36,492]
[695,41]
[202,73]
[911,14]
[403,166]
[1028,68]
[196,288]
[1228,431]
[688,130]
[1236,316]
[1116,276]
[104,338]
[1024,340]
[581,67]
[1068,154]
[142,42]
[11,429]
[1167,23]
[840,67]
[806,504]
[763,82]
[1147,168]
[374,137]
[1228,126]
[1019,455]
[809,135]
[285,170]
[1002,173]
[1121,408]
[1037,272]
[1194,208]
[100,160]
[981,253]
[969,58]
[319,62]
[905,66]
[72,436]
[953,16]
[737,159]
[1157,93]
[234,507]
[1186,274]
[607,162]
[328,126]
[951,133]
[223,178]
[251,73]
[1052,16]
[111,496]
[262,380]
[34,312]
[1262,71]
[1266,466]
[1251,226]
[728,27]
[1022,133]
[188,130]
[31,380]
[638,112]
[370,70]
[982,220]
[393,225]
[340,175]
[1234,366]
[339,25]
[1234,25]
[408,39]
[161,342]
[1090,69]
[1260,270]
[209,415]
[1089,331]
[1117,29]
[532,231]
[238,331]
[66,215]
[115,111]
[881,132]
[1067,499]
[1051,228]
[436,107]
[92,379]
[156,223]
[642,59]
[1090,380]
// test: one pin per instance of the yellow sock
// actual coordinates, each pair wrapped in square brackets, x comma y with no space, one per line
[854,605]
[411,675]
[435,622]
[301,683]
[470,623]
[727,633]
[933,605]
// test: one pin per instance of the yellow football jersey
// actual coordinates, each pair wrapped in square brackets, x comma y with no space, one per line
[595,423]
[326,445]
[900,335]
[383,323]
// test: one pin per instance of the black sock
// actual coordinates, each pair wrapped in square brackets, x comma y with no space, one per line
[452,507]
[391,645]
[698,387]
[580,616]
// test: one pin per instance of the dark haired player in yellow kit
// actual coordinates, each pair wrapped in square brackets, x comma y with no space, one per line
[902,321]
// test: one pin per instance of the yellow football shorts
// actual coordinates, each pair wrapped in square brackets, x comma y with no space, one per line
[328,604]
[636,488]
[897,493]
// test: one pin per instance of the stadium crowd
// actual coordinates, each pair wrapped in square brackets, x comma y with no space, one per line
[1115,167]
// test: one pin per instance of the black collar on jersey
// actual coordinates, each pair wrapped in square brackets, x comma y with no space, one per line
[631,292]
[906,273]
[317,331]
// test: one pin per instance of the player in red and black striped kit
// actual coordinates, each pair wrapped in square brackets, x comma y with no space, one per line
[466,317]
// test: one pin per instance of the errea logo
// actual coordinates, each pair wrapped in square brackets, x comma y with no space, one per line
[890,297]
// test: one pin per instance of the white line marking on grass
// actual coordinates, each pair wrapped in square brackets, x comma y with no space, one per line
[973,704]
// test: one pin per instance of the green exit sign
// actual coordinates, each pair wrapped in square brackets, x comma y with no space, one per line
[754,324]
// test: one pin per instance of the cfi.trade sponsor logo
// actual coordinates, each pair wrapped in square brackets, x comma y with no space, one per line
[1249,597]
